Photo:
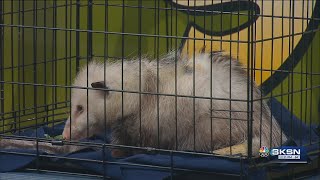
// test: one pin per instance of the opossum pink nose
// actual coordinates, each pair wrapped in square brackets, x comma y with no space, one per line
[66,134]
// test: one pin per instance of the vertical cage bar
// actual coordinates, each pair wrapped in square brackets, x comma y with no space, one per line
[66,52]
[301,76]
[45,94]
[307,74]
[155,30]
[292,68]
[230,86]
[89,21]
[70,53]
[122,57]
[221,20]
[105,54]
[261,72]
[311,72]
[221,40]
[12,72]
[19,68]
[140,78]
[289,73]
[77,36]
[194,78]
[175,75]
[55,44]
[53,63]
[2,66]
[188,20]
[167,24]
[70,48]
[35,81]
[171,28]
[282,49]
[249,85]
[211,79]
[272,57]
[254,14]
[77,57]
[158,73]
[253,44]
[87,84]
[23,58]
[89,55]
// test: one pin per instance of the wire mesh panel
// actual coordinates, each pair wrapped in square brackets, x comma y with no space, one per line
[172,86]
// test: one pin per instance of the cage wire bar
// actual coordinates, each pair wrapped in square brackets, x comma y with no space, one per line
[52,50]
[2,66]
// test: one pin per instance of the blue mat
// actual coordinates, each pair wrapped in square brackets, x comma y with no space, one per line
[218,165]
[42,176]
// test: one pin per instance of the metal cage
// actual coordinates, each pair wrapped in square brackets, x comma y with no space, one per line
[44,44]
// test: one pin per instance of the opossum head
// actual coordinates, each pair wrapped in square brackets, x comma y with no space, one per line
[88,104]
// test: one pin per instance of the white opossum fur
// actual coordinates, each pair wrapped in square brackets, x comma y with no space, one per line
[179,127]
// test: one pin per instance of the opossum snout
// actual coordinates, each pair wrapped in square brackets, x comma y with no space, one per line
[76,129]
[66,133]
[70,135]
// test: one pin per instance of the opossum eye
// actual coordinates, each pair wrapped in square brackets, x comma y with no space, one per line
[79,108]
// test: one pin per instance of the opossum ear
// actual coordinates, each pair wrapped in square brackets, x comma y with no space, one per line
[101,85]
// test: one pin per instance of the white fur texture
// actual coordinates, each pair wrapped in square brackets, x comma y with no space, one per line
[179,121]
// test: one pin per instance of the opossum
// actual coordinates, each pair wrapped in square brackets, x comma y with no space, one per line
[185,104]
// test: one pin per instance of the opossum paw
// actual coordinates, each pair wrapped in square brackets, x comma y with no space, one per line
[117,153]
